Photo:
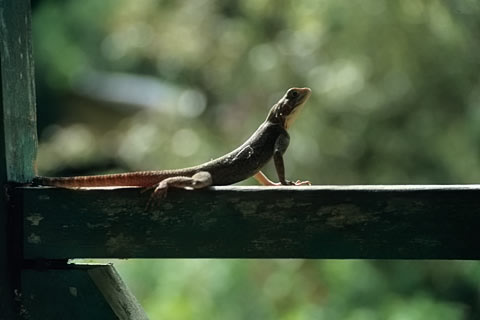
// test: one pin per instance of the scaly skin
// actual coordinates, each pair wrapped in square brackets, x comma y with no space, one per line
[269,141]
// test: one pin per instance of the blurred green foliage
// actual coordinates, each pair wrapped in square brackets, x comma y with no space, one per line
[303,289]
[396,99]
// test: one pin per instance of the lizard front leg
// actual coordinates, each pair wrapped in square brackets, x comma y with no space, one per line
[281,146]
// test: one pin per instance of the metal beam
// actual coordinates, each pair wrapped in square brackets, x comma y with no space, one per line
[334,222]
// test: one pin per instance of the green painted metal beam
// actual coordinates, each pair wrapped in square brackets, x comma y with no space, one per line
[373,222]
[77,292]
[19,133]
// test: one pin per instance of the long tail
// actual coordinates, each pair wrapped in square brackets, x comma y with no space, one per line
[139,179]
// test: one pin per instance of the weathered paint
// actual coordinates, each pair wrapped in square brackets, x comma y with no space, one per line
[34,219]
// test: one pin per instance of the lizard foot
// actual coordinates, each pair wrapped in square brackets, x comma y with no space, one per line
[295,183]
[301,183]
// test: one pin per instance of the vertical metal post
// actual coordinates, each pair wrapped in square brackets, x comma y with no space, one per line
[18,138]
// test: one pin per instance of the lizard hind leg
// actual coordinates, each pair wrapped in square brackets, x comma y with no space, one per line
[199,180]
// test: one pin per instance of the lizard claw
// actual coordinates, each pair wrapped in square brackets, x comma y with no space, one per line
[302,183]
[299,183]
[157,195]
[145,189]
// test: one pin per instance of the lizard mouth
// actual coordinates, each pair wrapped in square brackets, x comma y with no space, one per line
[303,95]
[297,105]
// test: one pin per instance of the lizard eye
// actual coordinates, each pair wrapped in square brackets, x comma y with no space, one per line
[293,94]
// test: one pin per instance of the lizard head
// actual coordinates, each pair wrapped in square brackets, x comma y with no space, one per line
[286,110]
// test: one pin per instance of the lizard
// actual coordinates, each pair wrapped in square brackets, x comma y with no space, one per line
[270,140]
